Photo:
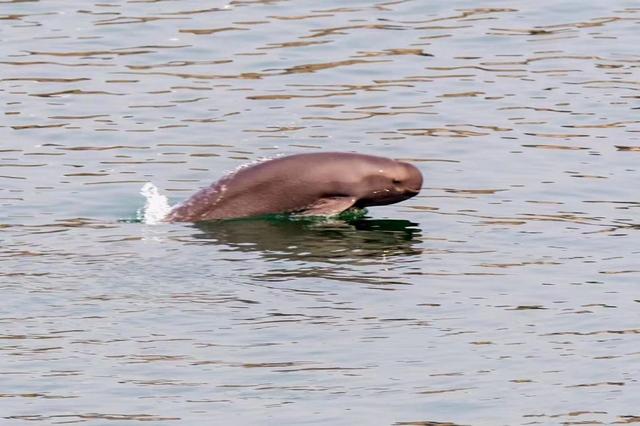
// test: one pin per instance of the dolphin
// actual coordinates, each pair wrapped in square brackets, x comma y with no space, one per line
[315,184]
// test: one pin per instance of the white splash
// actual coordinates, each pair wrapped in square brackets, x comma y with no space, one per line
[156,207]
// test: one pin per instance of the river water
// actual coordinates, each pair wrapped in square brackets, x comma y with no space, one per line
[507,292]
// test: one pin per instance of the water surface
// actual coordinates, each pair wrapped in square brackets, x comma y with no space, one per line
[506,293]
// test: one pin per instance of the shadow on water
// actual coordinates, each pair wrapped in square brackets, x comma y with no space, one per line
[359,241]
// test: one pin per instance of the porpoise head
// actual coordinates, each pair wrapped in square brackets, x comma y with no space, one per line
[387,181]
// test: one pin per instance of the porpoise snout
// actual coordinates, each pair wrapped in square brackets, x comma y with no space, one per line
[413,182]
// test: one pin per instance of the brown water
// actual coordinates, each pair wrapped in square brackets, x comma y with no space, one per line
[506,293]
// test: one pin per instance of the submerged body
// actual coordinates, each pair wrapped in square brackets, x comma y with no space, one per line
[307,184]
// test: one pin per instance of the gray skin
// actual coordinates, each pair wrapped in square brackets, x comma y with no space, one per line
[307,184]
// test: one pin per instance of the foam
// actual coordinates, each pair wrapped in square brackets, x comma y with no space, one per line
[156,207]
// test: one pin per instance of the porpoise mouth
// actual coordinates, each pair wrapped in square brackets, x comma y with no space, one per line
[410,192]
[390,198]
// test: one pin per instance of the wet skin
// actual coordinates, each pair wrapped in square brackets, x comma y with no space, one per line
[305,184]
